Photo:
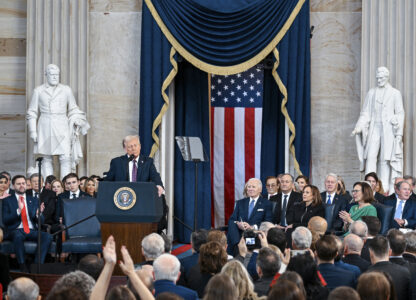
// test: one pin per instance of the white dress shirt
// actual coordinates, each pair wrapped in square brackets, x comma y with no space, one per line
[27,212]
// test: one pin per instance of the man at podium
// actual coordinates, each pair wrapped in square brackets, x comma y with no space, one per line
[133,166]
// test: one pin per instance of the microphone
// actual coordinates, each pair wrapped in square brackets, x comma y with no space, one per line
[131,157]
[39,159]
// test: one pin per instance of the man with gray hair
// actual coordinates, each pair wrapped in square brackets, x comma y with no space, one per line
[77,280]
[353,245]
[301,238]
[23,288]
[410,252]
[412,181]
[153,246]
[359,228]
[331,198]
[166,273]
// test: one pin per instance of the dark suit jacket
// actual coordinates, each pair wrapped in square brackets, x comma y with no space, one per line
[379,197]
[186,264]
[262,286]
[399,274]
[365,253]
[261,212]
[146,171]
[49,198]
[304,213]
[197,281]
[356,260]
[290,208]
[168,286]
[409,257]
[339,203]
[11,219]
[409,212]
[335,276]
[59,212]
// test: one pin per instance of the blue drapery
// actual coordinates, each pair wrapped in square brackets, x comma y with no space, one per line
[226,37]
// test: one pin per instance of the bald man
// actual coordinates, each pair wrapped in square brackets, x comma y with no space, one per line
[23,288]
[248,213]
[353,245]
[318,224]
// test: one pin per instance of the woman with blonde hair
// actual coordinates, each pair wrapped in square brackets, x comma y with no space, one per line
[242,281]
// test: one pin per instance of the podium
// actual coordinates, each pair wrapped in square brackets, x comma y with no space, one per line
[129,211]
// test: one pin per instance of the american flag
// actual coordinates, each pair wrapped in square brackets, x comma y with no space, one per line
[236,116]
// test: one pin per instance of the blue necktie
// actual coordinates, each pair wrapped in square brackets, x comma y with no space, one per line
[329,200]
[250,207]
[399,210]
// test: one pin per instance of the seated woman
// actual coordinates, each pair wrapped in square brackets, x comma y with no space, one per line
[372,178]
[310,206]
[57,187]
[3,186]
[363,196]
[90,187]
[302,181]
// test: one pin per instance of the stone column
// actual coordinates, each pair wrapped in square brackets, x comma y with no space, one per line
[389,39]
[57,32]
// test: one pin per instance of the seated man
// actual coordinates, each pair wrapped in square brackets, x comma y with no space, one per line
[404,215]
[248,214]
[20,218]
[134,166]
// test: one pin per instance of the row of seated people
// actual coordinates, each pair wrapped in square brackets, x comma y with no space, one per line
[314,266]
[20,210]
[289,209]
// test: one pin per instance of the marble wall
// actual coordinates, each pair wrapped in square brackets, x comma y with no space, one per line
[12,85]
[335,88]
[114,77]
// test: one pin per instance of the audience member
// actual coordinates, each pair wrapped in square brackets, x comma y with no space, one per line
[198,238]
[120,292]
[212,257]
[76,280]
[307,268]
[330,197]
[268,264]
[146,276]
[166,273]
[283,204]
[379,255]
[92,265]
[301,238]
[341,190]
[23,288]
[374,286]
[412,182]
[4,186]
[168,296]
[57,187]
[82,181]
[326,251]
[221,287]
[9,189]
[372,228]
[310,206]
[248,214]
[266,226]
[277,237]
[404,211]
[219,237]
[90,187]
[372,179]
[272,186]
[302,181]
[353,245]
[48,181]
[66,293]
[318,225]
[295,278]
[20,219]
[344,292]
[285,290]
[242,281]
[363,197]
[397,244]
[153,246]
[338,261]
[410,252]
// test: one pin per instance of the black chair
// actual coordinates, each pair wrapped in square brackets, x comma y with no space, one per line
[385,215]
[84,237]
[329,215]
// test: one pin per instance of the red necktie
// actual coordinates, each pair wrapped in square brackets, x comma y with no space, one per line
[24,216]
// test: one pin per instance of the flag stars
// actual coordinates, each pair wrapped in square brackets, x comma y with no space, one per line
[232,93]
[258,81]
[238,99]
[245,81]
[212,87]
[225,99]
[238,87]
[251,87]
[232,81]
[251,100]
[212,99]
[258,94]
[258,69]
[239,75]
[219,80]
[251,75]
[219,93]
[244,93]
[225,87]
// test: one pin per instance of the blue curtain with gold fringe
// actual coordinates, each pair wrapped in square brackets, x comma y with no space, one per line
[226,37]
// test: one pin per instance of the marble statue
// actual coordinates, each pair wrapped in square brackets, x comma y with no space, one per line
[55,123]
[379,131]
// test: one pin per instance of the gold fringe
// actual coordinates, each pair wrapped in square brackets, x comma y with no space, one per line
[290,124]
[229,69]
[168,80]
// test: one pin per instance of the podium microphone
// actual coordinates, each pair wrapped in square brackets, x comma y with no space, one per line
[39,159]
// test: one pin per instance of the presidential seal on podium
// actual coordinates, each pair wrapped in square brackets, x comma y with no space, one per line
[124,198]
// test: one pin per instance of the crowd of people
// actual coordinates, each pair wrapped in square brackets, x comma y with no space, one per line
[281,245]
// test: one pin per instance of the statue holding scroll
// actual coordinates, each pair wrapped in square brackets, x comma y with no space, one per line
[55,123]
[379,131]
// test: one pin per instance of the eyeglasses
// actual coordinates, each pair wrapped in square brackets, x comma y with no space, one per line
[271,185]
[355,191]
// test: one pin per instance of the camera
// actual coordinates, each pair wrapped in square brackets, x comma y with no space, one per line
[252,240]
